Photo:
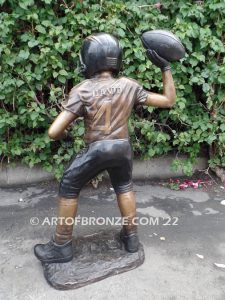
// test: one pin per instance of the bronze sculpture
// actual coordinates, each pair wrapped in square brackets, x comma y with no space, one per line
[105,102]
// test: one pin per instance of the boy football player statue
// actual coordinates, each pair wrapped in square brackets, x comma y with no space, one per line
[105,102]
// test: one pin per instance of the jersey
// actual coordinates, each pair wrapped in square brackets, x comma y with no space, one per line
[106,105]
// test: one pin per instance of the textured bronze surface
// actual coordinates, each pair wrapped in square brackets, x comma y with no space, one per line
[67,209]
[108,109]
[115,156]
[168,98]
[105,103]
[58,128]
[165,43]
[95,257]
[100,52]
[127,206]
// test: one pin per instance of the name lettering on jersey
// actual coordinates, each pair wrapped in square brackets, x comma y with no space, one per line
[107,91]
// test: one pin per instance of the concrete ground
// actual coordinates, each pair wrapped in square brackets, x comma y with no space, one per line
[181,249]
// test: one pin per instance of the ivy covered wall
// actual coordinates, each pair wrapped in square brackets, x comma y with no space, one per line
[39,48]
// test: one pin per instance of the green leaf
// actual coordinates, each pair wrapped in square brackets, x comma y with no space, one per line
[63,72]
[40,29]
[121,32]
[62,79]
[24,54]
[80,131]
[55,74]
[221,79]
[222,127]
[25,3]
[33,43]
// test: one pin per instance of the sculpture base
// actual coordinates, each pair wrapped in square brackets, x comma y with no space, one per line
[96,257]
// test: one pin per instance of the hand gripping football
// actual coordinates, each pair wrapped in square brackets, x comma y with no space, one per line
[164,43]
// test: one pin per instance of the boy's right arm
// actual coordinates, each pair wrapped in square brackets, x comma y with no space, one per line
[168,98]
[58,128]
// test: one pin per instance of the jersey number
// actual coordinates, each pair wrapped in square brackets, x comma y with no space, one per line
[103,112]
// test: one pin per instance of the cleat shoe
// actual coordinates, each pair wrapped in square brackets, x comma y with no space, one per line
[130,240]
[54,253]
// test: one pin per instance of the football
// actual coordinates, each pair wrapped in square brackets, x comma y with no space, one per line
[165,43]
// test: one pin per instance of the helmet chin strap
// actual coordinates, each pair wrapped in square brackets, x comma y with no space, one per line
[83,67]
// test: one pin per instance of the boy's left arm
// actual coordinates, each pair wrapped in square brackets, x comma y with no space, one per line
[58,128]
